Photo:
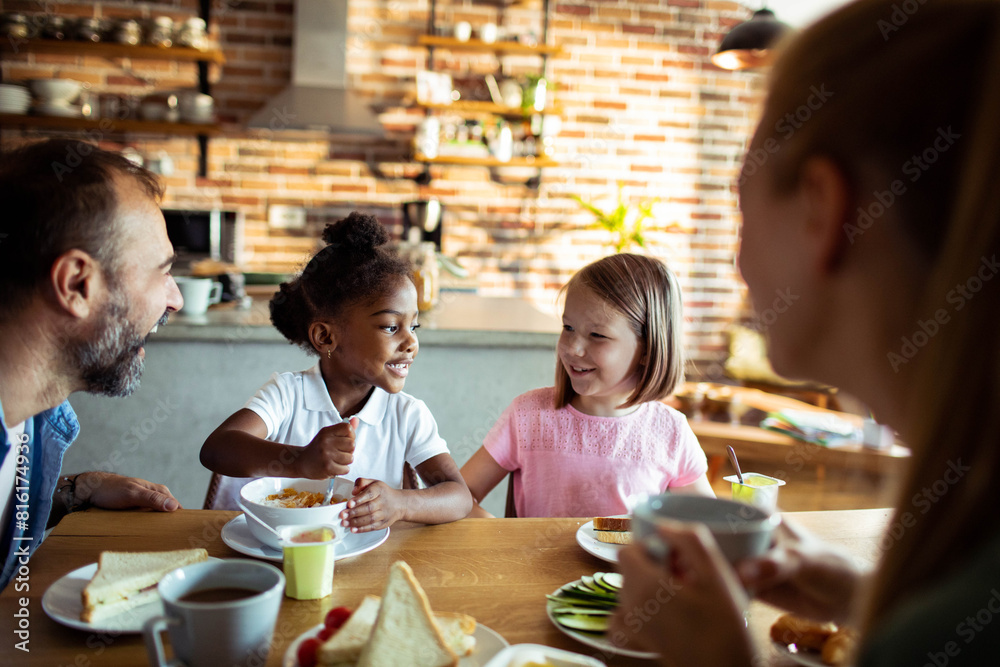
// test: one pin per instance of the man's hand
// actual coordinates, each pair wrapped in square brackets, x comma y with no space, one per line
[117,492]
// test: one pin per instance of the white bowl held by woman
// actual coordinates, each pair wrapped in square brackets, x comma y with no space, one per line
[741,530]
[253,495]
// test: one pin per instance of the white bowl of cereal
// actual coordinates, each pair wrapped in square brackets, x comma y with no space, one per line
[284,501]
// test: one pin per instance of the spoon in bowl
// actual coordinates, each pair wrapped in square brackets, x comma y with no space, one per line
[736,464]
[258,519]
[328,496]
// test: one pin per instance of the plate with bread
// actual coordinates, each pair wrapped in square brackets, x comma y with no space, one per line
[813,643]
[604,536]
[394,629]
[117,593]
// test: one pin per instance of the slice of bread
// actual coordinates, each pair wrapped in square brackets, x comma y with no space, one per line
[405,632]
[457,631]
[613,523]
[344,647]
[613,537]
[124,577]
[346,643]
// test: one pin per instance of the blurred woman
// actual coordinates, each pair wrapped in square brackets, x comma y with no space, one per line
[870,189]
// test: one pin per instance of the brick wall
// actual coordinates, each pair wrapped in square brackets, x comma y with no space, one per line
[643,107]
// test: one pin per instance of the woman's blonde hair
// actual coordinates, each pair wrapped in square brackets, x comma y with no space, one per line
[905,94]
[645,291]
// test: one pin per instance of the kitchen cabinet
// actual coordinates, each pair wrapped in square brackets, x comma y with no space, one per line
[110,51]
[492,113]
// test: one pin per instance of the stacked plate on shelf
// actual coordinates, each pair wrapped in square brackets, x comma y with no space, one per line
[54,97]
[14,99]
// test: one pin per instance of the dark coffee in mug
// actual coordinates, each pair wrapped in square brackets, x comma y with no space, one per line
[218,595]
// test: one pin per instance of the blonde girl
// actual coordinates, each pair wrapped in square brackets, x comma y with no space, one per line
[600,438]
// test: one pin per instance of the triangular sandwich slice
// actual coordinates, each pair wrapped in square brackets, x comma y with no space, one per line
[405,632]
[344,647]
[125,580]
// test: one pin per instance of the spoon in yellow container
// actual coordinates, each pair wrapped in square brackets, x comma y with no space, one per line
[736,464]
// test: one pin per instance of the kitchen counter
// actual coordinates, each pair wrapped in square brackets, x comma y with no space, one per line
[460,319]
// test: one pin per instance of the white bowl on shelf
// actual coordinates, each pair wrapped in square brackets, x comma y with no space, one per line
[61,110]
[55,90]
[153,111]
[198,117]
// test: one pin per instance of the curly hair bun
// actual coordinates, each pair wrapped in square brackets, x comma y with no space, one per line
[359,232]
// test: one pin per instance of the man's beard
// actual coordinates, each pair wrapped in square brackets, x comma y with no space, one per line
[109,363]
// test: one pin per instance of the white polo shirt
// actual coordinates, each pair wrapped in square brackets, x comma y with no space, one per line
[392,428]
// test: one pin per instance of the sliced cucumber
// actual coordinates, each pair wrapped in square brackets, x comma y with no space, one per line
[582,602]
[584,611]
[602,584]
[595,597]
[585,623]
[608,581]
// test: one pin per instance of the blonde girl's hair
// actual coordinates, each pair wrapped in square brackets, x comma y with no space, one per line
[920,85]
[645,291]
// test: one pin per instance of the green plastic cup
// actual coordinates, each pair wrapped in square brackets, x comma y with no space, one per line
[308,560]
[756,489]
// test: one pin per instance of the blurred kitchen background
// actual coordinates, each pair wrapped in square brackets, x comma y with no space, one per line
[267,119]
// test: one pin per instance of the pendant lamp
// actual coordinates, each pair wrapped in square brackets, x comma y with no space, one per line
[749,43]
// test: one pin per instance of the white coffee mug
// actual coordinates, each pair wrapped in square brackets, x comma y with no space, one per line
[219,612]
[198,293]
[488,32]
[463,31]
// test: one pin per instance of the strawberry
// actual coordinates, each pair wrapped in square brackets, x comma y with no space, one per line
[336,617]
[307,652]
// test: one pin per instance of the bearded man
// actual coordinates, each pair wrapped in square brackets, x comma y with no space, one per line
[85,278]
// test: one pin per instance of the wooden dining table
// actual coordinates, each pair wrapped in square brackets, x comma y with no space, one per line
[497,570]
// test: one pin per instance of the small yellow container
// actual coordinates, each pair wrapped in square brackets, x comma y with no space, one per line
[308,560]
[757,490]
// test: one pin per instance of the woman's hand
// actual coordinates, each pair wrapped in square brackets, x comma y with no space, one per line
[804,575]
[374,506]
[689,610]
[330,453]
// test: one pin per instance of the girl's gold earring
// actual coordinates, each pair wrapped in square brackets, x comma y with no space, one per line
[329,353]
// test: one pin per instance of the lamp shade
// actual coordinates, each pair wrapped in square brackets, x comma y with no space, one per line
[749,43]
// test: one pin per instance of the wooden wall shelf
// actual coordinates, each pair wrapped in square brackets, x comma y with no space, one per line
[112,50]
[477,45]
[107,125]
[475,107]
[533,162]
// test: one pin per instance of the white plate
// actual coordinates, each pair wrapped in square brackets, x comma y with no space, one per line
[236,534]
[808,658]
[518,654]
[586,537]
[63,604]
[488,644]
[590,639]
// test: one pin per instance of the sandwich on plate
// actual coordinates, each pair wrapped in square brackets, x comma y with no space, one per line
[613,530]
[125,580]
[399,629]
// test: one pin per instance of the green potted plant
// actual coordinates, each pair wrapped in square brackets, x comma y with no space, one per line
[624,223]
